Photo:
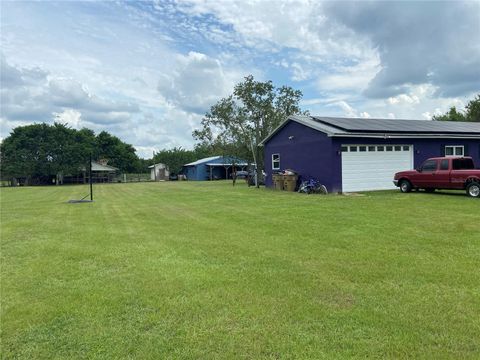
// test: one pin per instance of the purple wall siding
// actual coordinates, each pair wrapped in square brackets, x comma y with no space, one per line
[313,154]
[309,153]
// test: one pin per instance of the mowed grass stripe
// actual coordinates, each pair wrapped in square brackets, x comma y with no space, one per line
[207,270]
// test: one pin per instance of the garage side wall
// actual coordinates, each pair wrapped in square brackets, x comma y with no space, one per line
[306,151]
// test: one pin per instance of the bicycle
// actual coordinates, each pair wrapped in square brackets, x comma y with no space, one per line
[312,186]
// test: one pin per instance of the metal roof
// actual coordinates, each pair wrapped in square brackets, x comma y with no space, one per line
[201,161]
[210,161]
[385,128]
[99,167]
[227,164]
[156,165]
[400,126]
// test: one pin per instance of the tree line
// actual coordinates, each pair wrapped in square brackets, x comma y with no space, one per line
[41,150]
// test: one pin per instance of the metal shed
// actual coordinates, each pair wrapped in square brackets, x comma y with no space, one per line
[213,168]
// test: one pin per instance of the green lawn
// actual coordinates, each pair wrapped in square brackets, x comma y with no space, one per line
[193,270]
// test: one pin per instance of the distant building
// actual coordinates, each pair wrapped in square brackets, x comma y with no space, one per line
[213,168]
[101,172]
[159,172]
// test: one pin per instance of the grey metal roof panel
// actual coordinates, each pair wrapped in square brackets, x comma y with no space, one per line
[208,160]
[152,166]
[311,121]
[350,125]
[99,167]
[307,121]
[200,161]
[226,164]
[338,127]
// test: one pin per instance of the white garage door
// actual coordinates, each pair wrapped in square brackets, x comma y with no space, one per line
[371,167]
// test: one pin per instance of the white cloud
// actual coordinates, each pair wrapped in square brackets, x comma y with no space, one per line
[344,50]
[197,82]
[35,95]
[348,110]
[299,73]
[70,117]
[271,25]
[418,43]
[39,100]
[317,46]
[350,77]
[404,98]
[419,102]
[171,128]
[427,115]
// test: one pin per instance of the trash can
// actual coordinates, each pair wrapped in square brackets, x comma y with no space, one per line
[278,181]
[290,182]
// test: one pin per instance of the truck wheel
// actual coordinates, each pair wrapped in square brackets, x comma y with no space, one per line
[429,190]
[405,186]
[473,189]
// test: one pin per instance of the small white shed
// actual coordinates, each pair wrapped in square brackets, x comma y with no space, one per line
[159,172]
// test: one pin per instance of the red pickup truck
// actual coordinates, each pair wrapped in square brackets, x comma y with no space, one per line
[441,173]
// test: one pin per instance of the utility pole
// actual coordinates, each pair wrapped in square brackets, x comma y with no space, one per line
[90,177]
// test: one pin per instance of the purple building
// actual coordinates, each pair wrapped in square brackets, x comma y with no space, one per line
[347,154]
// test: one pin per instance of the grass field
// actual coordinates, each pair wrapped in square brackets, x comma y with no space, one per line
[203,270]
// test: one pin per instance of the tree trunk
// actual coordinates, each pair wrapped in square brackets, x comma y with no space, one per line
[254,153]
[258,167]
[257,157]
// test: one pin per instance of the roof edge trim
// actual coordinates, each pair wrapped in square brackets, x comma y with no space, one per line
[299,119]
[400,136]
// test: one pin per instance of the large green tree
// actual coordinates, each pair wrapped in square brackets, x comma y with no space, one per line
[248,115]
[38,150]
[41,150]
[470,113]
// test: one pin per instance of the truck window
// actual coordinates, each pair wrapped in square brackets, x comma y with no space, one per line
[429,165]
[462,164]
[444,165]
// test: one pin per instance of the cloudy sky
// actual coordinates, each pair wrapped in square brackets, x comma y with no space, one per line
[148,71]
